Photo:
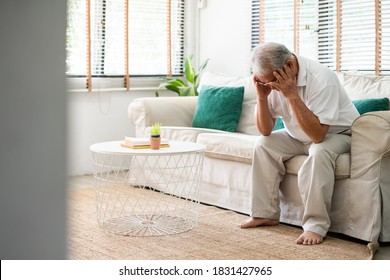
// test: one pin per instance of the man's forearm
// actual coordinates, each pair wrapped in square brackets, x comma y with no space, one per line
[263,119]
[307,120]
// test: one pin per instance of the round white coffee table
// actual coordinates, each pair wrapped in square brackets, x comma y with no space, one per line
[144,192]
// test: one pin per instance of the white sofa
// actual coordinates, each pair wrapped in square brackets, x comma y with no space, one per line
[361,200]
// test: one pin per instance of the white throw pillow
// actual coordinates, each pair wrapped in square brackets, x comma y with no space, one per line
[362,86]
[246,123]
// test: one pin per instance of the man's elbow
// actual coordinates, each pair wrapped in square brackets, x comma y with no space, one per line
[264,132]
[316,139]
[320,134]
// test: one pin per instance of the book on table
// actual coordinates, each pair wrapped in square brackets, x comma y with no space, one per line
[142,143]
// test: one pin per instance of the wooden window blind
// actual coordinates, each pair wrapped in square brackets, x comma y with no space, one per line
[328,38]
[290,22]
[358,35]
[124,38]
[384,29]
[277,17]
[345,35]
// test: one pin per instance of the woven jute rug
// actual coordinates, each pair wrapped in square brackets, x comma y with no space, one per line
[217,236]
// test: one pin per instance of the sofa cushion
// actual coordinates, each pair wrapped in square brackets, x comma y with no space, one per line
[219,108]
[229,146]
[239,147]
[190,134]
[372,104]
[144,111]
[362,86]
[246,124]
[278,124]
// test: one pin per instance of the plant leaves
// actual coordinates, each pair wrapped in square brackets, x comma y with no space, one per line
[173,88]
[203,66]
[168,86]
[189,71]
[180,86]
[183,83]
[178,83]
[186,91]
[197,77]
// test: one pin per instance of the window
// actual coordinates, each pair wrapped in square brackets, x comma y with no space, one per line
[345,35]
[292,23]
[347,30]
[122,38]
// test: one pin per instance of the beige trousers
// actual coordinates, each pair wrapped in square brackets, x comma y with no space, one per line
[315,177]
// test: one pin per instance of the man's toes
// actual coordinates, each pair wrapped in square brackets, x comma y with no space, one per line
[309,238]
[247,223]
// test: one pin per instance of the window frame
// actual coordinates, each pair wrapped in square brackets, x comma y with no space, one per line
[138,81]
[330,51]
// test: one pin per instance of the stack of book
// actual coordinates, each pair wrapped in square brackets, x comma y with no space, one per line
[142,143]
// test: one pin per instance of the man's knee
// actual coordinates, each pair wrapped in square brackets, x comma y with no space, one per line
[318,152]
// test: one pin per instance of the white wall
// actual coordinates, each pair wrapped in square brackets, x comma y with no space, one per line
[224,36]
[220,31]
[96,117]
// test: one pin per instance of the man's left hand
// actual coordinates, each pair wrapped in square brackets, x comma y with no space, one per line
[287,81]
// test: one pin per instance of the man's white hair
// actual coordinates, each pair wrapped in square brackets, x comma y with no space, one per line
[269,57]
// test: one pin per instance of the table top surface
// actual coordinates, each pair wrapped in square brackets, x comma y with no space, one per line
[175,147]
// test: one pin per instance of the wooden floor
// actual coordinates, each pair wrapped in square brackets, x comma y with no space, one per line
[84,181]
[88,181]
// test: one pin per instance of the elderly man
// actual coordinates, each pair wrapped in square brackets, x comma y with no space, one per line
[317,115]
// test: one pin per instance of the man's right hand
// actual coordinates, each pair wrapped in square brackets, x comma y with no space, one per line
[263,118]
[261,90]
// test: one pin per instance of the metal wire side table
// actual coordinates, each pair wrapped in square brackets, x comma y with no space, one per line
[144,192]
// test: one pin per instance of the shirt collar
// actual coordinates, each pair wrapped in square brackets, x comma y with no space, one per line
[301,79]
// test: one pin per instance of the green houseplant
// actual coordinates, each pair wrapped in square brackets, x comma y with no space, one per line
[155,130]
[189,85]
[155,136]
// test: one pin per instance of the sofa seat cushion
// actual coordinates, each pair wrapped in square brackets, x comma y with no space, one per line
[229,146]
[343,165]
[190,134]
[239,147]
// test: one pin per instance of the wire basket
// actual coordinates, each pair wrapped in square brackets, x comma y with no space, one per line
[147,194]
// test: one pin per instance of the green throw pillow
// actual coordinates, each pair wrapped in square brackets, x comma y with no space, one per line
[278,124]
[370,105]
[363,106]
[219,108]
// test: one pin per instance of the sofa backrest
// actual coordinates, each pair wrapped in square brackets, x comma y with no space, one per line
[358,86]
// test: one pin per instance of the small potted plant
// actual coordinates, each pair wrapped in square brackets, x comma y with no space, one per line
[155,137]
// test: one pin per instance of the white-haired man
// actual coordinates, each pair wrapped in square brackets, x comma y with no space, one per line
[317,115]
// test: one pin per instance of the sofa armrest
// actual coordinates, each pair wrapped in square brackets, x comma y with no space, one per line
[370,163]
[169,111]
[370,143]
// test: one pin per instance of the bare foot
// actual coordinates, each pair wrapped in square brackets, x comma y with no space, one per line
[255,222]
[309,238]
